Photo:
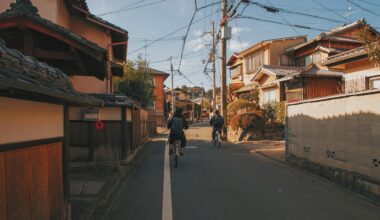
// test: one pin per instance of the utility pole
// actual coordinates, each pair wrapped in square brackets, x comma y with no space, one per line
[223,80]
[172,93]
[213,68]
[202,107]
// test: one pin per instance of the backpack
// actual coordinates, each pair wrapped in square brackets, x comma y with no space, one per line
[176,125]
[218,121]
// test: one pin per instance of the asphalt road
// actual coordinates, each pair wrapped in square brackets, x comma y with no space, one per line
[231,184]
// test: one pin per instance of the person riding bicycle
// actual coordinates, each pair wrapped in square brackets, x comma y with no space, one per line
[217,122]
[176,124]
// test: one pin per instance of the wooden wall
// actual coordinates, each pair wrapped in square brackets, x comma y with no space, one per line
[320,87]
[90,144]
[31,183]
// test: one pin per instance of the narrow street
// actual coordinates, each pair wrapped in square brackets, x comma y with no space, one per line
[230,183]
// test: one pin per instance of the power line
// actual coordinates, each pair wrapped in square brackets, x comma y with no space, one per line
[364,9]
[187,33]
[332,11]
[286,21]
[171,33]
[128,9]
[273,9]
[370,3]
[280,23]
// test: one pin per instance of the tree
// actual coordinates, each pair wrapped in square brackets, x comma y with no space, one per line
[137,83]
[371,43]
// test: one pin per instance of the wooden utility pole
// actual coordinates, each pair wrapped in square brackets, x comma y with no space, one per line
[213,68]
[202,107]
[172,93]
[223,74]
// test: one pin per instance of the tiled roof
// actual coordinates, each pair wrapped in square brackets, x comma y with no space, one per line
[284,73]
[360,51]
[280,70]
[117,100]
[246,88]
[82,4]
[331,35]
[325,37]
[156,72]
[270,41]
[346,27]
[26,74]
[25,8]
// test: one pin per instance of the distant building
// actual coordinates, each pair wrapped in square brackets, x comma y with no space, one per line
[158,105]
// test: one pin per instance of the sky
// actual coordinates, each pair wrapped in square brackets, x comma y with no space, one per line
[149,20]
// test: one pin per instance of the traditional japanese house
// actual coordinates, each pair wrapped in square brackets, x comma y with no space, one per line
[329,43]
[34,137]
[282,83]
[268,52]
[360,73]
[64,34]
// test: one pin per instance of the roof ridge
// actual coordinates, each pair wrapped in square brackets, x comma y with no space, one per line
[23,7]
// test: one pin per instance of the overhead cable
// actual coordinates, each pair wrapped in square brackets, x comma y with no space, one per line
[281,23]
[273,9]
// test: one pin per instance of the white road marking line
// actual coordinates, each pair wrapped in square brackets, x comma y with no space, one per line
[167,211]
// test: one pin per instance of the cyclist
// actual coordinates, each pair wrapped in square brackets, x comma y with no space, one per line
[176,124]
[217,122]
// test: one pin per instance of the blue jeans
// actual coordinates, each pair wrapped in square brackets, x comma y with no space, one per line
[214,130]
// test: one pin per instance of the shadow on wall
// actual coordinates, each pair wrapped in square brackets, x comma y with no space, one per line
[347,146]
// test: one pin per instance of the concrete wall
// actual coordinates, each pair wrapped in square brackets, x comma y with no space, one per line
[26,120]
[341,131]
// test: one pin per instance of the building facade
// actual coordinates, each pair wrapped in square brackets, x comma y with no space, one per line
[244,65]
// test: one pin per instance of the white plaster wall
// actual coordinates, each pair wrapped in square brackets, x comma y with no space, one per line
[355,81]
[22,120]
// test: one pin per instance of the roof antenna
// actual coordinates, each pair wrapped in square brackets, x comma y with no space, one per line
[350,10]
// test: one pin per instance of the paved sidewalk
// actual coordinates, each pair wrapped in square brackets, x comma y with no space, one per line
[90,190]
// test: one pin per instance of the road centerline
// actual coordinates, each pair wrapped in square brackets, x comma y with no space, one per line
[167,211]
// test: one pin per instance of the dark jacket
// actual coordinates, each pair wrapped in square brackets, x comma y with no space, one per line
[185,125]
[213,120]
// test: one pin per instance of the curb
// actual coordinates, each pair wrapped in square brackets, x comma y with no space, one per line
[321,179]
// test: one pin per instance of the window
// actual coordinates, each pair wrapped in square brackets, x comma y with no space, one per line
[235,71]
[308,59]
[300,62]
[269,96]
[253,62]
[374,82]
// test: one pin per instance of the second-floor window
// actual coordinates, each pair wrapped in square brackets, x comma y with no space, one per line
[236,71]
[269,96]
[253,62]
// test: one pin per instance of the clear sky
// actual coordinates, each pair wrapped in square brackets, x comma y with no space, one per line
[149,20]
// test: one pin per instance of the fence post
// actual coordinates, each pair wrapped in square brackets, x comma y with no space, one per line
[123,133]
[286,133]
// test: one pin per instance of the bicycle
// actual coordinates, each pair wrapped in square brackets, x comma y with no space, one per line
[218,139]
[176,152]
